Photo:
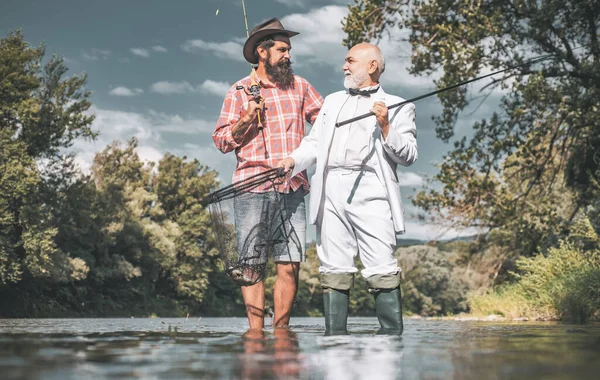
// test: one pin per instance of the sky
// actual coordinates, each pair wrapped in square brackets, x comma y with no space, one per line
[159,71]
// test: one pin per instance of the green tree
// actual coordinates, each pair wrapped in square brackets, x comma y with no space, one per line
[128,239]
[41,113]
[432,285]
[309,300]
[181,187]
[125,248]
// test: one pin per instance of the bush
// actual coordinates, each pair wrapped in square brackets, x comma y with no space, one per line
[563,284]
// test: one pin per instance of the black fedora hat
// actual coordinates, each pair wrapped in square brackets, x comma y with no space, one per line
[260,31]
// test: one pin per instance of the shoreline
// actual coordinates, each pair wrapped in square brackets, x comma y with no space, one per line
[488,318]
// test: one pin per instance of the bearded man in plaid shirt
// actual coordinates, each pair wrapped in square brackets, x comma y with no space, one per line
[287,102]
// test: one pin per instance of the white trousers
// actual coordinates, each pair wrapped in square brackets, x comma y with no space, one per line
[356,219]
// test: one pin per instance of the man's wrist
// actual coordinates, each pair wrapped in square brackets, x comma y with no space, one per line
[240,128]
[385,128]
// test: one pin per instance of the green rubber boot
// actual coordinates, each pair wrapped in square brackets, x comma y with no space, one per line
[335,304]
[388,305]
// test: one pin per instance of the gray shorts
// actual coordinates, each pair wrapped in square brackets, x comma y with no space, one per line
[270,224]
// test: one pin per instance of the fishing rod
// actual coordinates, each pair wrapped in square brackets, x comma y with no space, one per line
[360,117]
[254,89]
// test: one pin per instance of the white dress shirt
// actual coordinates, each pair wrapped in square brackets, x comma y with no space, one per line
[351,142]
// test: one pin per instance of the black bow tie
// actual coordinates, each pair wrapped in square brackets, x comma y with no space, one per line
[367,93]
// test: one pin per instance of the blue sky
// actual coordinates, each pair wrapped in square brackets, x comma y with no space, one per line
[159,70]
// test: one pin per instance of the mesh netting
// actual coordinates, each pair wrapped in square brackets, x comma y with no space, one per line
[246,236]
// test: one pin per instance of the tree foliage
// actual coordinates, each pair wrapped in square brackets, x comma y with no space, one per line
[562,284]
[40,113]
[129,237]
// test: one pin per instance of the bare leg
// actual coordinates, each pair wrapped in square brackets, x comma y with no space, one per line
[284,292]
[254,299]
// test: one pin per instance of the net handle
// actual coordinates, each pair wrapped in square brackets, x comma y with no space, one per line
[245,184]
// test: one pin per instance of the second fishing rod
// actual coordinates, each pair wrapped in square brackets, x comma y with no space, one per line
[400,104]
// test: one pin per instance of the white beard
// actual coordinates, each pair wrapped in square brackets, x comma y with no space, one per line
[356,79]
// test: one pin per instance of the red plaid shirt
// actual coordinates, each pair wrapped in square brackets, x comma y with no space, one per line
[283,127]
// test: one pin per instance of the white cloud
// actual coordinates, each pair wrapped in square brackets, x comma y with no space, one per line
[477,87]
[216,88]
[71,61]
[176,124]
[208,86]
[227,50]
[159,49]
[157,133]
[149,153]
[409,179]
[170,88]
[397,52]
[320,38]
[114,125]
[289,3]
[95,54]
[141,52]
[145,53]
[123,125]
[124,91]
[84,162]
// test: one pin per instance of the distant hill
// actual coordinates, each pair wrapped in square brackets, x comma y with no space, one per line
[461,238]
[408,242]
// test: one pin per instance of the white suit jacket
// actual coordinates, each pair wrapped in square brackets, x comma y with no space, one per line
[400,148]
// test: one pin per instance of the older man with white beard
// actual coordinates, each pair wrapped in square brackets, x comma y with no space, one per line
[355,197]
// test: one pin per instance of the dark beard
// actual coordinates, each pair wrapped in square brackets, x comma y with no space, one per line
[281,73]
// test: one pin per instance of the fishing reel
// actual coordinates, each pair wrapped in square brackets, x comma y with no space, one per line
[253,91]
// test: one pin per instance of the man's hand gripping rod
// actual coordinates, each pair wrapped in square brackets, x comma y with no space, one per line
[360,117]
[253,91]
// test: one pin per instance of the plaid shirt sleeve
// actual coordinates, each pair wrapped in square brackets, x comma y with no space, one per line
[313,101]
[231,112]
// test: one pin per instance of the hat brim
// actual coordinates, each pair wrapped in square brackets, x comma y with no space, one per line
[250,44]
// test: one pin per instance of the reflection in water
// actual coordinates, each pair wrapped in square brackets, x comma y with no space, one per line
[361,357]
[222,348]
[266,357]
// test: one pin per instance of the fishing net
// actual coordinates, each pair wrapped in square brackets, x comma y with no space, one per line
[247,237]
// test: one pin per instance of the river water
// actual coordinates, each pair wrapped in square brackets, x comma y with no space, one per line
[221,348]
